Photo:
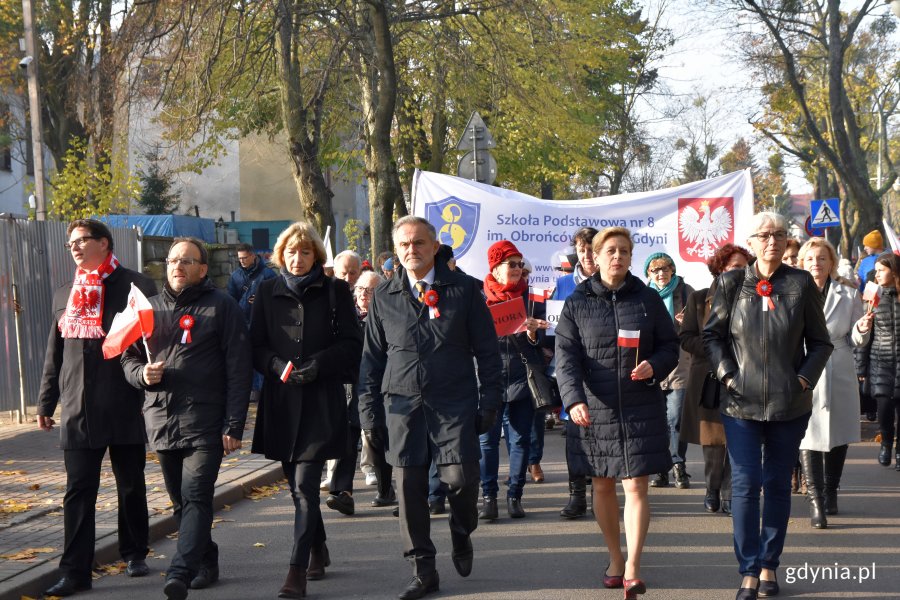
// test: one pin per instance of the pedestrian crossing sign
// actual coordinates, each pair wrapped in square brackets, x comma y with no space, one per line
[825,213]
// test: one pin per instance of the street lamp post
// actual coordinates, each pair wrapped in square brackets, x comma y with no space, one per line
[34,107]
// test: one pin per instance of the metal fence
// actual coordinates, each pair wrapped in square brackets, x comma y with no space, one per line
[34,262]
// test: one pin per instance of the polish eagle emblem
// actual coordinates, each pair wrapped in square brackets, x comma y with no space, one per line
[704,231]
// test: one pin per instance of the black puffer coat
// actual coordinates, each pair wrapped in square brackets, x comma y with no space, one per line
[628,434]
[764,352]
[879,362]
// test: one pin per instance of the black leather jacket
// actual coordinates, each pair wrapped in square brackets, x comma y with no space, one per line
[765,352]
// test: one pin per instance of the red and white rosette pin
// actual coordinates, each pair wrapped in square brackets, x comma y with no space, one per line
[764,289]
[186,323]
[431,301]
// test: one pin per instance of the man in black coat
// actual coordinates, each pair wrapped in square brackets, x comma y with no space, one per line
[99,409]
[425,326]
[196,386]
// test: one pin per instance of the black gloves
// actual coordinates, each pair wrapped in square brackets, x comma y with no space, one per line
[308,371]
[277,367]
[484,420]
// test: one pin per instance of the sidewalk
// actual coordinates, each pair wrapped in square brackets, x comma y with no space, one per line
[32,487]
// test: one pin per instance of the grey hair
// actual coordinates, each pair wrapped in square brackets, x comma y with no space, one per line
[768,217]
[349,254]
[412,220]
[366,277]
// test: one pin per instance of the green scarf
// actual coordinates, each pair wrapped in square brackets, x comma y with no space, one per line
[667,292]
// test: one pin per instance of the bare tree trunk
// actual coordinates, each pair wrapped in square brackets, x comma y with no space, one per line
[301,123]
[378,85]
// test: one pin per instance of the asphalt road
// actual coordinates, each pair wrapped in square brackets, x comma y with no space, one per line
[688,552]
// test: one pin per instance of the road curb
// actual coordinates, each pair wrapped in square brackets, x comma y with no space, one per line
[33,582]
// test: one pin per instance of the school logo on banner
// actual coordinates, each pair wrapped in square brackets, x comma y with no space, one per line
[456,222]
[704,225]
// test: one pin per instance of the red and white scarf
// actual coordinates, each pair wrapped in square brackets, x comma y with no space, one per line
[84,311]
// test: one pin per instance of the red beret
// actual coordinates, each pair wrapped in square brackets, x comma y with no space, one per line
[500,251]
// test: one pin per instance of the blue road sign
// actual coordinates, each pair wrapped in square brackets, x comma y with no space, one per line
[812,231]
[825,213]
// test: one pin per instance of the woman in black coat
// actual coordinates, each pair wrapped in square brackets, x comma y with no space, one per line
[880,359]
[767,341]
[615,342]
[308,343]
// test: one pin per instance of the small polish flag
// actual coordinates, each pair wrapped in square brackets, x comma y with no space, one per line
[629,338]
[872,294]
[537,294]
[129,325]
[892,239]
[564,262]
[286,372]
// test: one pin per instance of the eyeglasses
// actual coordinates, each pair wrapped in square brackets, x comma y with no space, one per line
[765,236]
[514,264]
[364,291]
[80,242]
[184,262]
[660,270]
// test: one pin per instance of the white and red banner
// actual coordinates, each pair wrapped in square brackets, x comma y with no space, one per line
[129,325]
[688,222]
[891,235]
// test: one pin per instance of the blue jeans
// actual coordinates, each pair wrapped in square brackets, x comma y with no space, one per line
[536,448]
[762,454]
[190,475]
[515,418]
[674,405]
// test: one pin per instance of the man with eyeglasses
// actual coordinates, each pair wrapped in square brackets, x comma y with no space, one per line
[100,410]
[196,383]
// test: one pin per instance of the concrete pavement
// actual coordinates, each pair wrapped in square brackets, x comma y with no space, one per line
[688,553]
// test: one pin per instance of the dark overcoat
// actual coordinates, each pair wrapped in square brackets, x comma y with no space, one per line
[99,407]
[205,388]
[698,425]
[305,422]
[418,374]
[628,434]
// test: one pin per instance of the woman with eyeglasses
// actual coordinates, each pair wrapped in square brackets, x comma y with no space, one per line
[659,268]
[503,284]
[767,342]
[615,343]
[307,341]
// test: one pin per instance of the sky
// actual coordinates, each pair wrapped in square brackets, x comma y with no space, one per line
[703,61]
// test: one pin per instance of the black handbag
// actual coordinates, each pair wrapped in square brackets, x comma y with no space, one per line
[712,392]
[544,391]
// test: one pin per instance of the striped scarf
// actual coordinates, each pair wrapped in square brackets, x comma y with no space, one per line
[84,312]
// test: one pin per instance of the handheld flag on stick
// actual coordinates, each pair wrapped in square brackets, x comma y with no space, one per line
[130,325]
[630,338]
[891,235]
[871,295]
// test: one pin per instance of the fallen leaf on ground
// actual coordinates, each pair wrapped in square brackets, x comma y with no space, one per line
[34,487]
[226,507]
[13,506]
[17,472]
[264,491]
[109,569]
[259,545]
[27,553]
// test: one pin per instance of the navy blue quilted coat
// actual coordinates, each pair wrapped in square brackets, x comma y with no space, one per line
[628,435]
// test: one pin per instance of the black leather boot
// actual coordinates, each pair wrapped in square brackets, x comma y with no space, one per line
[812,464]
[577,505]
[884,456]
[294,584]
[834,467]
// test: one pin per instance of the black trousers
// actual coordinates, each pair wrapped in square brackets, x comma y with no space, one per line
[309,530]
[79,506]
[415,519]
[717,470]
[190,475]
[383,469]
[345,469]
[888,413]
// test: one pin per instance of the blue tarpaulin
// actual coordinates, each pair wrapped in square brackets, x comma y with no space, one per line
[166,225]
